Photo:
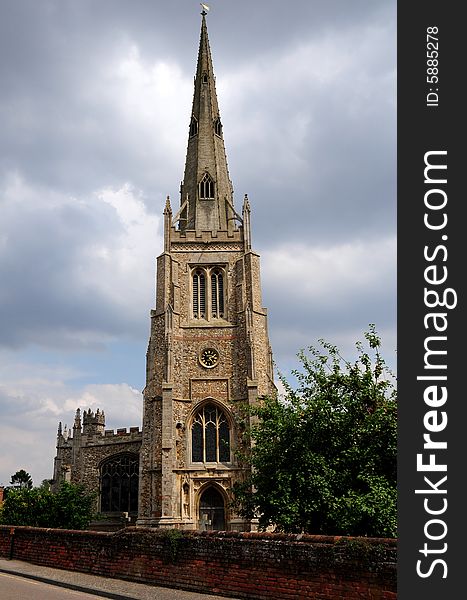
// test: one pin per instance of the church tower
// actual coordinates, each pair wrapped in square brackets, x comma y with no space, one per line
[209,353]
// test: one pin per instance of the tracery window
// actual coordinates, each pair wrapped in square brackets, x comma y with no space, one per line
[119,483]
[206,188]
[210,436]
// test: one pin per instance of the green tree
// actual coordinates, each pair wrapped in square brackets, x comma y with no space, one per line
[25,506]
[74,507]
[324,457]
[70,508]
[21,479]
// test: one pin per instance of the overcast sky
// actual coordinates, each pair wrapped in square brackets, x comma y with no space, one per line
[95,99]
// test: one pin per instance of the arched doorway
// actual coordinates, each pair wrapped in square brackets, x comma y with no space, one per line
[211,510]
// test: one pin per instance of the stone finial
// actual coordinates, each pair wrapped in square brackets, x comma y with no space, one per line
[246,223]
[167,224]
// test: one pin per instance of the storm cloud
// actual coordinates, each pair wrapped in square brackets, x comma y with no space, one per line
[95,100]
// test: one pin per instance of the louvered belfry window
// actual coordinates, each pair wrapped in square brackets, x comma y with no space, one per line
[208,293]
[199,295]
[210,436]
[206,188]
[217,294]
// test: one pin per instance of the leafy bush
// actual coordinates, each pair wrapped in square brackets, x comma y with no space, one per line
[70,508]
[324,457]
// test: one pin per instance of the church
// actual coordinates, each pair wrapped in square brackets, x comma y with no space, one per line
[208,356]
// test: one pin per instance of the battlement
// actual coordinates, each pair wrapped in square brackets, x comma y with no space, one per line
[107,436]
[93,425]
[181,236]
[121,432]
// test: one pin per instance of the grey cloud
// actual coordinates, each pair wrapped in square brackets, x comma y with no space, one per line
[46,297]
[63,133]
[296,325]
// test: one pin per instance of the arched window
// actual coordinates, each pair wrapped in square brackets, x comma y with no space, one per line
[210,436]
[193,126]
[217,294]
[199,295]
[119,483]
[206,188]
[217,126]
[208,293]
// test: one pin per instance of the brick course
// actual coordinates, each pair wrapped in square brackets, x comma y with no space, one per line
[255,566]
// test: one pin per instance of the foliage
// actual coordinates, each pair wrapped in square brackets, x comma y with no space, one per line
[27,507]
[21,479]
[173,538]
[74,506]
[324,457]
[70,508]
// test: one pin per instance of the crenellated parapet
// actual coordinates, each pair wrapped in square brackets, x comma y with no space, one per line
[204,237]
[122,432]
[93,427]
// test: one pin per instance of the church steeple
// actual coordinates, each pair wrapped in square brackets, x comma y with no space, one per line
[206,190]
[208,355]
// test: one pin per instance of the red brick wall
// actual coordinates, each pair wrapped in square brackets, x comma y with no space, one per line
[246,565]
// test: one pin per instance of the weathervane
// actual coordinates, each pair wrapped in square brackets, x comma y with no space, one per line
[205,8]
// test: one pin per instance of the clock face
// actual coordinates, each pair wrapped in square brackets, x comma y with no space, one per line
[209,358]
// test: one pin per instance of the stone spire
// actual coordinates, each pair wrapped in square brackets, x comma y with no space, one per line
[206,190]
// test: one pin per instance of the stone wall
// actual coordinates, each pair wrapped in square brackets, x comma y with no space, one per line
[244,565]
[79,458]
[178,383]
